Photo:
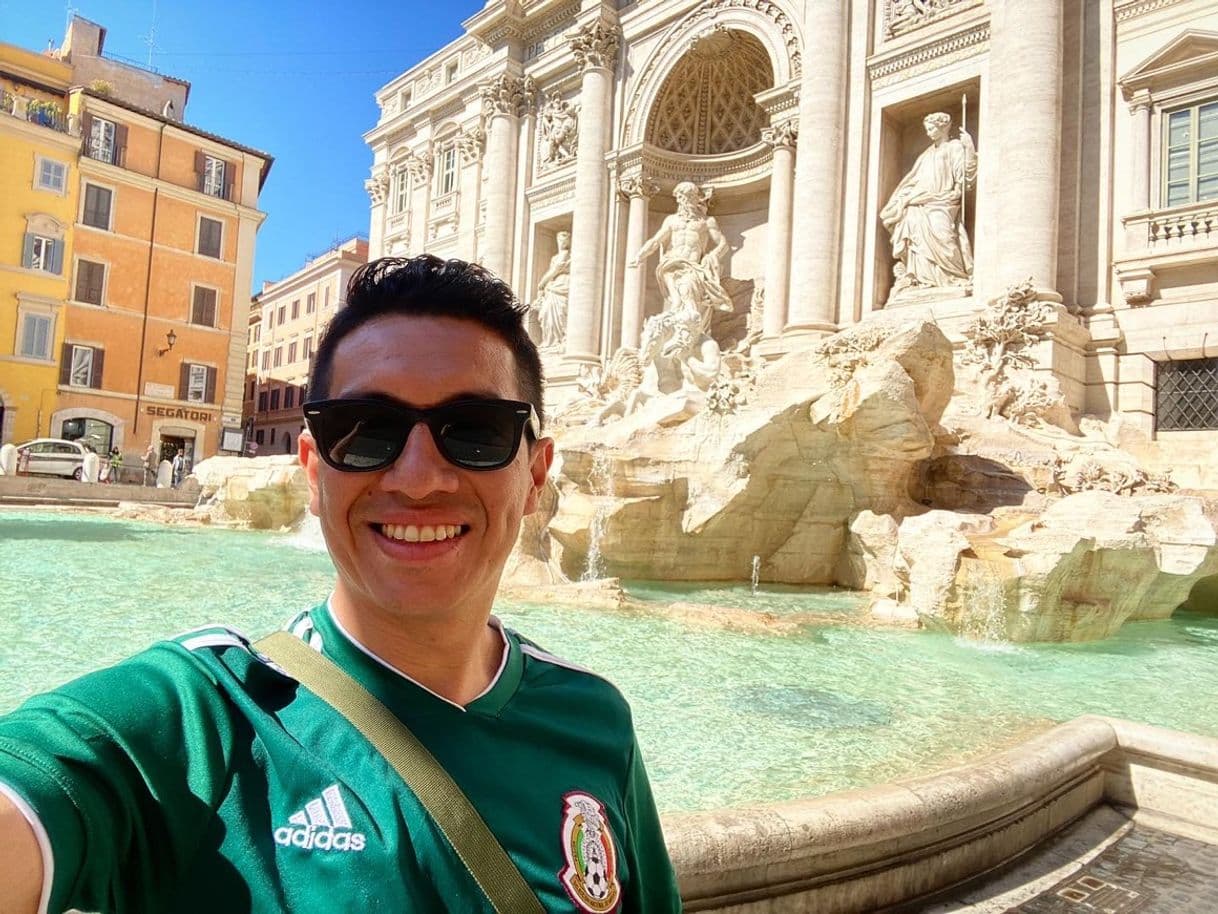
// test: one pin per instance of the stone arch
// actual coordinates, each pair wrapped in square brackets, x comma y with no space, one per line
[88,412]
[768,22]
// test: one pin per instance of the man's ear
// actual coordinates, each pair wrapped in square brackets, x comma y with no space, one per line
[311,461]
[541,456]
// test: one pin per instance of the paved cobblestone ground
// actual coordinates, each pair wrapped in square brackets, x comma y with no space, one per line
[1145,871]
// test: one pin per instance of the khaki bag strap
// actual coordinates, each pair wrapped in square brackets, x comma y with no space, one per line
[449,808]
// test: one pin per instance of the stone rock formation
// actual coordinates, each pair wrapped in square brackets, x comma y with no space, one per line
[264,493]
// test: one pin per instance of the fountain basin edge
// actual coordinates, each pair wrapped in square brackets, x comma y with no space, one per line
[893,844]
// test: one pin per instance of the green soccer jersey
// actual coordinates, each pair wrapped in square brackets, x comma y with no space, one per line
[197,777]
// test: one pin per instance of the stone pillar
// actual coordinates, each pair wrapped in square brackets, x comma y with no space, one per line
[1141,153]
[595,48]
[419,167]
[378,192]
[1025,87]
[525,144]
[470,146]
[501,100]
[778,234]
[638,190]
[818,169]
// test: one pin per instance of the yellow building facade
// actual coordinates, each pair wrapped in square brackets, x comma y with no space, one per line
[38,203]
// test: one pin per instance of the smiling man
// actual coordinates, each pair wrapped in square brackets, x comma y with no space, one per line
[201,776]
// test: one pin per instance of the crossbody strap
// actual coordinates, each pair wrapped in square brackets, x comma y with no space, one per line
[449,808]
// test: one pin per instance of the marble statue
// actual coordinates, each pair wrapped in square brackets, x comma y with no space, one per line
[559,124]
[552,292]
[924,213]
[691,249]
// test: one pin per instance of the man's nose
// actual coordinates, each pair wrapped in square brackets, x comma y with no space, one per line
[420,469]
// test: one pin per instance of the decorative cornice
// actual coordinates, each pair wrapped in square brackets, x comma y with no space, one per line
[783,134]
[1141,8]
[595,45]
[974,39]
[543,195]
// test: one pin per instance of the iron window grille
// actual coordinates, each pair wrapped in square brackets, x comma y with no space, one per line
[1186,395]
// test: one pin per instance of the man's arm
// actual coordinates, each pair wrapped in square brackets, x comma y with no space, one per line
[21,862]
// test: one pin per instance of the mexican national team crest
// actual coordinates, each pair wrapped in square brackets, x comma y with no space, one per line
[590,875]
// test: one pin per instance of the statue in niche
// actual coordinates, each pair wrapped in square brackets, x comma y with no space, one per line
[552,291]
[691,249]
[559,123]
[923,214]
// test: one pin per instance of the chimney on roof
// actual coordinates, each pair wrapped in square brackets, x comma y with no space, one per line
[83,38]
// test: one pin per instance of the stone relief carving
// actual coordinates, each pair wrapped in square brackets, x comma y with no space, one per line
[1105,473]
[471,144]
[558,123]
[924,214]
[553,289]
[419,166]
[901,16]
[691,250]
[999,340]
[784,134]
[595,45]
[637,186]
[508,95]
[377,186]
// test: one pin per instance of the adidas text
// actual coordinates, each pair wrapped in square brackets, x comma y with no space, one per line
[312,837]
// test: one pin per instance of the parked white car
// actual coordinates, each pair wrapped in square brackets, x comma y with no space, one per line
[52,457]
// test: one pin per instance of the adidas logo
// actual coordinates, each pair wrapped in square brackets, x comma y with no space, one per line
[322,825]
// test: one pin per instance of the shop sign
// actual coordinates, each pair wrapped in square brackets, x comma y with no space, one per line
[178,412]
[163,391]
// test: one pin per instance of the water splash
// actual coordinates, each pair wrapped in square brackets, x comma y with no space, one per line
[600,482]
[982,591]
[756,577]
[307,535]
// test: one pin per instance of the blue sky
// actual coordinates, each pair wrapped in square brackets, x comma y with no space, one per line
[295,79]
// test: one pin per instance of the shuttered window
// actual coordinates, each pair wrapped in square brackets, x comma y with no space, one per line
[81,366]
[90,280]
[203,307]
[42,253]
[97,206]
[35,336]
[211,232]
[197,383]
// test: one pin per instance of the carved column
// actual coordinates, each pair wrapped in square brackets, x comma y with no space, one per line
[818,169]
[419,166]
[527,118]
[378,192]
[1025,96]
[638,190]
[778,234]
[500,104]
[595,48]
[1141,152]
[470,147]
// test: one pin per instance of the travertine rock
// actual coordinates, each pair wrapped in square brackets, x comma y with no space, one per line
[264,493]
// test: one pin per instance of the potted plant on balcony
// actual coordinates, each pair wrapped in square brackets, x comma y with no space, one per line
[43,113]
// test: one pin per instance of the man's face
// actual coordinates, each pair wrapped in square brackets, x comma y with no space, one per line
[423,362]
[935,129]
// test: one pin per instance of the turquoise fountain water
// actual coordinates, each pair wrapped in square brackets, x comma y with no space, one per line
[725,718]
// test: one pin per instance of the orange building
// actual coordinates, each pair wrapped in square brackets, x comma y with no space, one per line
[162,264]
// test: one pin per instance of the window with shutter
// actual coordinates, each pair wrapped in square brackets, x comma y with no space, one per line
[213,176]
[211,233]
[266,360]
[81,373]
[291,352]
[289,398]
[203,307]
[97,206]
[310,303]
[262,401]
[296,309]
[90,280]
[102,140]
[275,398]
[196,384]
[35,336]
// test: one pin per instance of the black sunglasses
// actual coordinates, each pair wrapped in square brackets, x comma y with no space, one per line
[362,436]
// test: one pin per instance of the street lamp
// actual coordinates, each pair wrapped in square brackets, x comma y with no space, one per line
[170,338]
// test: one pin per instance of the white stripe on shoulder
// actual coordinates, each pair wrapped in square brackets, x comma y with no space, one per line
[212,636]
[44,843]
[539,654]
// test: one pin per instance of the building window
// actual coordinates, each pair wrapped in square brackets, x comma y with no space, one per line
[51,175]
[98,202]
[283,314]
[82,366]
[197,383]
[105,141]
[257,332]
[213,175]
[404,98]
[43,253]
[261,404]
[258,436]
[291,352]
[401,191]
[203,307]
[253,363]
[289,397]
[211,233]
[272,436]
[296,309]
[446,171]
[308,347]
[266,360]
[310,303]
[1186,395]
[275,398]
[1191,174]
[90,280]
[278,356]
[325,297]
[36,334]
[97,434]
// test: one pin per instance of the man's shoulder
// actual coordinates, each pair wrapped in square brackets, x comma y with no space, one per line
[541,662]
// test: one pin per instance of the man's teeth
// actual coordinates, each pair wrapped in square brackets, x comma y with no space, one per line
[428,534]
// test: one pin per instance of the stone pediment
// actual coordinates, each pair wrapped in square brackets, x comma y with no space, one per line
[1191,55]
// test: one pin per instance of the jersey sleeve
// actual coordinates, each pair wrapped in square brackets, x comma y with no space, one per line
[121,769]
[653,888]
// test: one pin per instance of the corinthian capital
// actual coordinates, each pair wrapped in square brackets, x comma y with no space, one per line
[502,95]
[783,134]
[377,186]
[638,186]
[471,144]
[595,45]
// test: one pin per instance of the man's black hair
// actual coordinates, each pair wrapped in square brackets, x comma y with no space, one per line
[428,286]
